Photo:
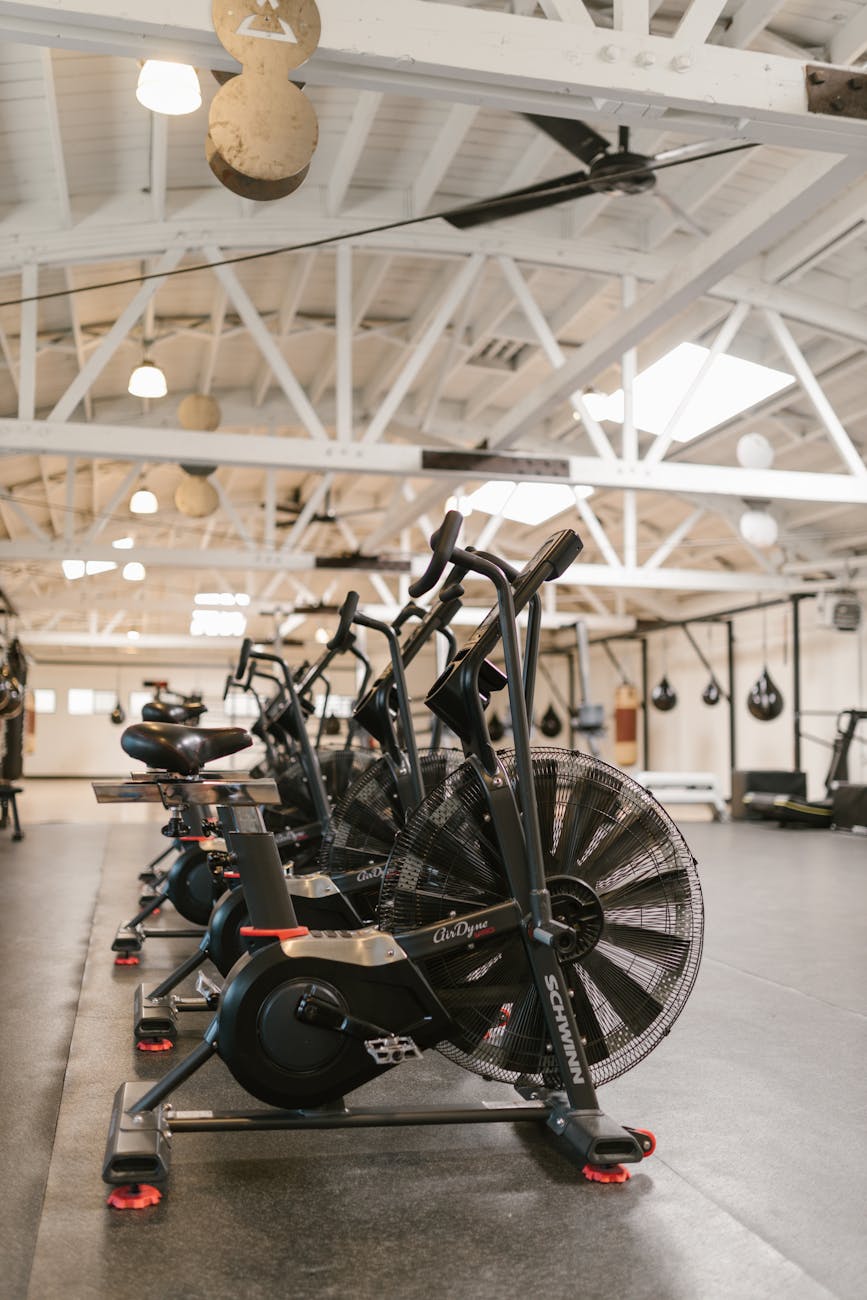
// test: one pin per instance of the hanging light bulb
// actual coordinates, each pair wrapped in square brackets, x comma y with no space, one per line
[169,88]
[755,452]
[147,380]
[144,503]
[758,528]
[134,572]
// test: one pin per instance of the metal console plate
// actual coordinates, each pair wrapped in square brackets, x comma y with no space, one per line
[175,792]
[839,92]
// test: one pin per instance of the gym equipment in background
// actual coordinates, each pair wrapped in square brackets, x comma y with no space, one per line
[551,724]
[552,934]
[765,700]
[701,788]
[664,697]
[626,705]
[792,809]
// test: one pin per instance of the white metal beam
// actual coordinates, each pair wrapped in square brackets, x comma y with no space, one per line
[209,361]
[448,304]
[267,345]
[300,268]
[478,56]
[699,21]
[751,18]
[343,316]
[28,331]
[58,158]
[674,539]
[351,148]
[109,344]
[401,460]
[441,156]
[823,408]
[850,40]
[159,164]
[748,232]
[568,11]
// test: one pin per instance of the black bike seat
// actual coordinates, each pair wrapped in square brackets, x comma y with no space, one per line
[166,747]
[164,711]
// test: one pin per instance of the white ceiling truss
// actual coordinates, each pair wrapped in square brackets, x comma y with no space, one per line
[365,380]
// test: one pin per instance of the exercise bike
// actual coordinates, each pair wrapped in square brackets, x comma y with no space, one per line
[507,942]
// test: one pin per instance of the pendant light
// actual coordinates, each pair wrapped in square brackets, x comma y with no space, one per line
[143,502]
[147,380]
[765,700]
[169,88]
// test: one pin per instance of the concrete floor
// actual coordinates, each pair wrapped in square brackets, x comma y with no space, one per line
[757,1098]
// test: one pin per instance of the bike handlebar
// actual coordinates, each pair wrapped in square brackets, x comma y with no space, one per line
[347,614]
[244,657]
[443,542]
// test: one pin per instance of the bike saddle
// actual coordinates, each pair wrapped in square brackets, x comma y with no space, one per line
[166,747]
[163,711]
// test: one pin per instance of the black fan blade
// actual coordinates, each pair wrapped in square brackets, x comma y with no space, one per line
[667,950]
[520,1043]
[576,138]
[662,889]
[545,783]
[377,828]
[588,813]
[592,1035]
[531,198]
[634,1005]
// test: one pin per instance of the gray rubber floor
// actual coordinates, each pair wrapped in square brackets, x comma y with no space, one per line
[757,1098]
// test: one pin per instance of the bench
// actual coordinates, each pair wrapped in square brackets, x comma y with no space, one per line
[686,787]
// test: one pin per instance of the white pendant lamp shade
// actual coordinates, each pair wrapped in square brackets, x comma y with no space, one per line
[147,380]
[144,503]
[169,88]
[196,497]
[758,528]
[134,572]
[755,452]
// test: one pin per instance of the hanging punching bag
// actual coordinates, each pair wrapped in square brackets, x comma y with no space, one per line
[712,693]
[550,725]
[664,697]
[765,701]
[626,725]
[496,730]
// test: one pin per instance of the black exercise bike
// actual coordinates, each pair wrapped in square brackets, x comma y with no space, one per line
[547,931]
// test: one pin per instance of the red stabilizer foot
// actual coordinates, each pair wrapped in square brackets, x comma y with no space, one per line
[645,1134]
[606,1173]
[155,1045]
[126,961]
[136,1196]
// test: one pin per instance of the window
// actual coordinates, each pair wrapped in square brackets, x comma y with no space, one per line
[241,706]
[79,702]
[137,701]
[44,700]
[104,702]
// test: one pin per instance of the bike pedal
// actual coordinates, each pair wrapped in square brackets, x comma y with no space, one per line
[393,1050]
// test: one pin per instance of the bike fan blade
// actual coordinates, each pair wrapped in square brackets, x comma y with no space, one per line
[667,950]
[633,1004]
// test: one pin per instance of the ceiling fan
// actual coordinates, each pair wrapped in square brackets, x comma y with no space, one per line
[294,505]
[606,171]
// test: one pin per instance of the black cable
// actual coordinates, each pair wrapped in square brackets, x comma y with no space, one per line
[569,189]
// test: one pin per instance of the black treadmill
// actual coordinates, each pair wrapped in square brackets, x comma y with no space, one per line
[789,810]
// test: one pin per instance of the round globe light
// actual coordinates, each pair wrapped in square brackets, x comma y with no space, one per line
[758,528]
[755,452]
[134,572]
[144,503]
[169,88]
[147,380]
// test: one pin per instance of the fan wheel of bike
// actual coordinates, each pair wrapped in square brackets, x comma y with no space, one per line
[369,817]
[618,871]
[340,768]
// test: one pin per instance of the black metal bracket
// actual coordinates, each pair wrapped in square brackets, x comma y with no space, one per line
[838,92]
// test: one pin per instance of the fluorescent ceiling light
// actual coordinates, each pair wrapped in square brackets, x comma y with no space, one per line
[144,503]
[729,387]
[526,503]
[218,622]
[133,635]
[147,380]
[226,598]
[123,544]
[170,88]
[74,569]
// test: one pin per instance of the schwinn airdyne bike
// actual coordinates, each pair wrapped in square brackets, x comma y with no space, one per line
[547,931]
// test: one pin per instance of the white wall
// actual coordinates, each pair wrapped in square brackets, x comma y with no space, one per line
[694,737]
